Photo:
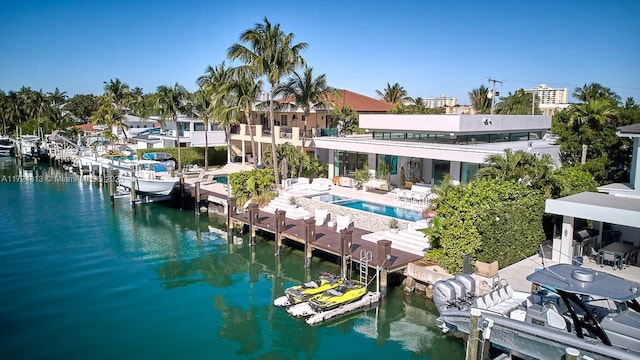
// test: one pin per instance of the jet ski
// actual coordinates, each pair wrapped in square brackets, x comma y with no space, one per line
[301,293]
[347,292]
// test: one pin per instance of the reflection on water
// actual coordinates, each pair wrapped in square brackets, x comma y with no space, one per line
[82,279]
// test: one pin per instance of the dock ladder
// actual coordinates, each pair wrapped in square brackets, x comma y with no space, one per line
[365,257]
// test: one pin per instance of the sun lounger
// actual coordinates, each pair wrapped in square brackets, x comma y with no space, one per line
[343,222]
[321,184]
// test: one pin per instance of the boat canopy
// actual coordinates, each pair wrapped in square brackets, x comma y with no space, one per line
[579,280]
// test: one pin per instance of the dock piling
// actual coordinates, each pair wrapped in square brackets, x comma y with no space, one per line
[472,341]
[309,235]
[197,205]
[133,190]
[253,220]
[345,245]
[232,210]
[111,186]
[280,227]
[384,252]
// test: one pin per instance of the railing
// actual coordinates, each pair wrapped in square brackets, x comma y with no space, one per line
[329,132]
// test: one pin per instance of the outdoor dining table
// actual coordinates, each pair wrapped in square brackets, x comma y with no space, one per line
[618,250]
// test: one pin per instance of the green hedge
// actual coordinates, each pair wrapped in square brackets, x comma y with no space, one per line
[247,184]
[492,220]
[193,155]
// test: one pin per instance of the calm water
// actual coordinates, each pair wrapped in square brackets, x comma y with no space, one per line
[381,209]
[80,279]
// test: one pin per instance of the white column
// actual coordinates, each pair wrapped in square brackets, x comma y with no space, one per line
[566,249]
[243,152]
[330,167]
[454,171]
[259,152]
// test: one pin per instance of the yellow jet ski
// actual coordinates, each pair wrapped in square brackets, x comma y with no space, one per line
[300,293]
[347,292]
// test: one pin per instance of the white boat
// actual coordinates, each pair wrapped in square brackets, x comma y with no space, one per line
[6,146]
[593,312]
[150,177]
[31,146]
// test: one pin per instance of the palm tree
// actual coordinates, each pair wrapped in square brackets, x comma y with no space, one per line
[171,102]
[480,100]
[214,83]
[204,111]
[245,90]
[595,113]
[271,53]
[118,95]
[417,105]
[595,91]
[392,93]
[57,98]
[308,92]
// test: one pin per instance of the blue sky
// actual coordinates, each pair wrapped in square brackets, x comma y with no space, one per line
[428,47]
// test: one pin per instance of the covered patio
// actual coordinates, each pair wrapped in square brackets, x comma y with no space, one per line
[616,219]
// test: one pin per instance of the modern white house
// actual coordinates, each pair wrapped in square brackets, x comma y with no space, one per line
[191,134]
[426,148]
[614,210]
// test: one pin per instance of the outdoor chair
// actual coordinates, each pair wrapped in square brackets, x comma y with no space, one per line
[321,216]
[343,222]
[633,256]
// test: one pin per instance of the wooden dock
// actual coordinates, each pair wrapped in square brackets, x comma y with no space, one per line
[322,238]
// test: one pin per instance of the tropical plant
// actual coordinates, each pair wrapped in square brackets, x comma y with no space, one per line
[171,102]
[392,94]
[82,106]
[393,224]
[203,110]
[516,104]
[215,83]
[345,119]
[595,91]
[271,53]
[480,100]
[249,184]
[308,92]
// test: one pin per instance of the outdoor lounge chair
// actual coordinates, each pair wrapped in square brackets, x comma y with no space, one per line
[343,222]
[321,216]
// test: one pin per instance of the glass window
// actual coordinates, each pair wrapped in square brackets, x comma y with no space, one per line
[198,126]
[283,120]
[441,169]
[468,172]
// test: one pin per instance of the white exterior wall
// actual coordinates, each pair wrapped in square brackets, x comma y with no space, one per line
[458,124]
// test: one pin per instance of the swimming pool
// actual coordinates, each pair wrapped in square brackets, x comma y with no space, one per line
[380,209]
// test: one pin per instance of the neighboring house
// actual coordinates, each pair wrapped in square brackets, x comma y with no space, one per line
[426,148]
[289,123]
[91,129]
[191,134]
[614,210]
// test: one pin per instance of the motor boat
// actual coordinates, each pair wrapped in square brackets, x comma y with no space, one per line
[31,146]
[594,312]
[303,292]
[6,146]
[150,177]
[347,292]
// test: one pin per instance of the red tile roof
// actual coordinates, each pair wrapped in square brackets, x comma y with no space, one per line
[358,102]
[87,127]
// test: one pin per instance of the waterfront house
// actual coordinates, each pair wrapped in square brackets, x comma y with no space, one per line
[289,123]
[426,148]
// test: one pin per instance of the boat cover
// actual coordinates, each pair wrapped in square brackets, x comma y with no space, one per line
[605,285]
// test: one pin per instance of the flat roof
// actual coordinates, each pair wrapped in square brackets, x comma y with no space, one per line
[599,207]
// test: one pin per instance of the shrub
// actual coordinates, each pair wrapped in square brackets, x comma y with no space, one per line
[249,184]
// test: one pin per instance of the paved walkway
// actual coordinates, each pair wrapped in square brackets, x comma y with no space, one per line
[516,274]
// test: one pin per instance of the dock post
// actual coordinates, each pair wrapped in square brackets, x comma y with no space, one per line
[571,354]
[472,341]
[133,190]
[232,210]
[384,256]
[253,219]
[197,205]
[309,236]
[345,245]
[280,226]
[111,185]
[181,191]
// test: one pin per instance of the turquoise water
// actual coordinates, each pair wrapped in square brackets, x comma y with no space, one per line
[80,279]
[400,213]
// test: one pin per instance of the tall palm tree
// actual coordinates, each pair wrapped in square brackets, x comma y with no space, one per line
[480,100]
[595,91]
[118,95]
[246,89]
[57,98]
[204,111]
[171,102]
[417,105]
[392,93]
[307,92]
[214,82]
[271,53]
